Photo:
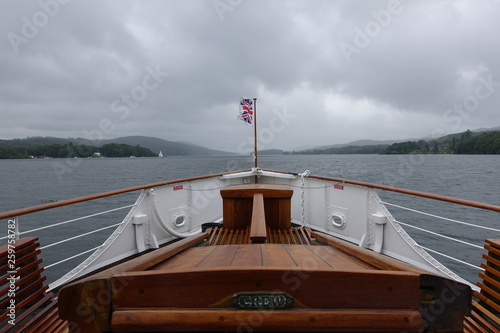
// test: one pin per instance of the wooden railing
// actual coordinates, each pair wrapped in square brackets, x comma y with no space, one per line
[485,311]
[27,305]
[29,210]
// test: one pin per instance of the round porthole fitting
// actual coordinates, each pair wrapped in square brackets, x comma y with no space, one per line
[178,221]
[338,220]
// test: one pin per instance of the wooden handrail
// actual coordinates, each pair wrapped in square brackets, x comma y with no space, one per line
[33,209]
[258,222]
[214,320]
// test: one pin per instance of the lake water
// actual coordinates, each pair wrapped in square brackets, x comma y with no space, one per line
[26,183]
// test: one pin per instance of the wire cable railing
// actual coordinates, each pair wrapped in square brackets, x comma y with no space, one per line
[73,238]
[58,224]
[53,225]
[440,235]
[76,219]
[72,257]
[79,236]
[452,258]
[61,257]
[442,217]
[14,215]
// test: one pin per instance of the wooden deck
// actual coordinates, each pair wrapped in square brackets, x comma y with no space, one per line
[258,273]
[329,291]
[186,289]
[302,257]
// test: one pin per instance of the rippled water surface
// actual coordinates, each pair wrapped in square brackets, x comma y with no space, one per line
[26,183]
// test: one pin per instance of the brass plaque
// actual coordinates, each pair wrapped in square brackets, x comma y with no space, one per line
[259,300]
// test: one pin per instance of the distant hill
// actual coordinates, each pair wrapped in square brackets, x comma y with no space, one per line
[168,148]
[37,141]
[361,143]
[468,142]
[271,152]
[376,146]
[368,149]
[493,129]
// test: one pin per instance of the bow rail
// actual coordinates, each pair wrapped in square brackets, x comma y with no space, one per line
[14,215]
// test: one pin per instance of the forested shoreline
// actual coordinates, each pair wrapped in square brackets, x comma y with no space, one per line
[465,143]
[460,143]
[74,151]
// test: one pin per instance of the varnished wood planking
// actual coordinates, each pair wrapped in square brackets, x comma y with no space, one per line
[484,316]
[35,308]
[263,255]
[275,255]
[237,213]
[258,232]
[177,320]
[339,259]
[238,203]
[225,236]
[189,258]
[374,259]
[312,288]
[221,256]
[248,256]
[248,190]
[151,259]
[306,258]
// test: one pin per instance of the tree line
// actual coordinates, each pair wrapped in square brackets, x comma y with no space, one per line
[464,143]
[70,151]
[370,149]
[487,143]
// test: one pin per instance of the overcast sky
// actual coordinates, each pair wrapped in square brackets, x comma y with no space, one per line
[324,72]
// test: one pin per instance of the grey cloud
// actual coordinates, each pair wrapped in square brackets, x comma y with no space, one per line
[427,57]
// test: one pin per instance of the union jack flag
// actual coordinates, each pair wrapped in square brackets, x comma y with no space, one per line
[246,110]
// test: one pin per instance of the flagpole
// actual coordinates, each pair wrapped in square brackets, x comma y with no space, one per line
[255,161]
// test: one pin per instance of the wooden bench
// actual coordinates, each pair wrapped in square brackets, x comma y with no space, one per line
[32,308]
[485,311]
[238,205]
[295,235]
